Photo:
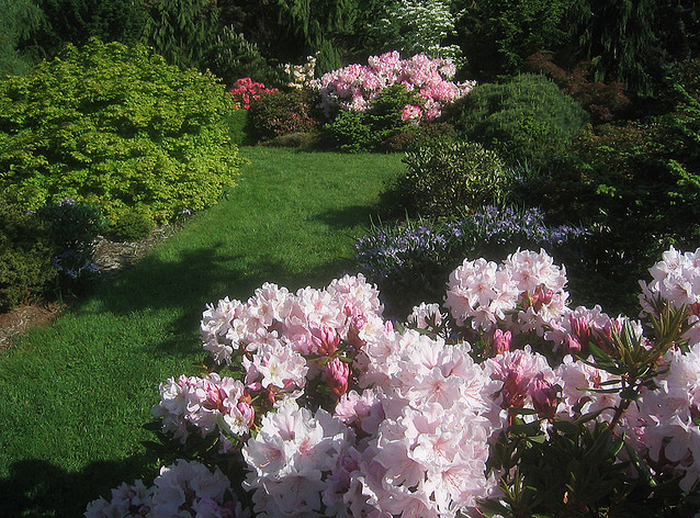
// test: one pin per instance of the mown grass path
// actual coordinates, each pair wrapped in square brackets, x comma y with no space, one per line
[74,395]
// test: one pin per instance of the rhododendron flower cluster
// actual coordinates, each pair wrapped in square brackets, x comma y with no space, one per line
[525,293]
[184,489]
[301,76]
[202,402]
[676,279]
[245,90]
[335,411]
[355,86]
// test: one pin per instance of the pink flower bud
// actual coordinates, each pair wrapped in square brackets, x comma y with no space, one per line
[247,412]
[514,390]
[337,376]
[356,325]
[572,345]
[325,339]
[544,397]
[541,296]
[501,341]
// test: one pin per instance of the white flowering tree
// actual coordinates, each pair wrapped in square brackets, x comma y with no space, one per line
[418,26]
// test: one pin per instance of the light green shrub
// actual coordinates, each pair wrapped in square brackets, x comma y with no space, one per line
[118,127]
[443,178]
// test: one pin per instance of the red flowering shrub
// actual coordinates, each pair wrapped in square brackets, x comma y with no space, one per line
[602,100]
[246,90]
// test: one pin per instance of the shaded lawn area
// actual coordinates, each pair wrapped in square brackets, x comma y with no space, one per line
[76,394]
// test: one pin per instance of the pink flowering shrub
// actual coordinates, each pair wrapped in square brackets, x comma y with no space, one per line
[334,411]
[182,489]
[245,90]
[354,87]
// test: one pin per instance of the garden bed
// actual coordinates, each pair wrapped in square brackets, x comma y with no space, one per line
[111,258]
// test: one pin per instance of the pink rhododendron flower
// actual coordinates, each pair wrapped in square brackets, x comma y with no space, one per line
[337,375]
[411,113]
[355,86]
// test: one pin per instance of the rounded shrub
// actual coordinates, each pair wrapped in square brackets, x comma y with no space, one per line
[133,226]
[387,116]
[278,113]
[526,119]
[26,253]
[116,126]
[445,177]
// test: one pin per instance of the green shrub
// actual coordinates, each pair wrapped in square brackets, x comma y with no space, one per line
[73,225]
[238,125]
[351,132]
[627,184]
[443,178]
[279,113]
[527,119]
[367,131]
[26,252]
[132,226]
[111,125]
[414,137]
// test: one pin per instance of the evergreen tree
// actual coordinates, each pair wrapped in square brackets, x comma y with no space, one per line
[19,21]
[182,31]
[618,37]
[76,21]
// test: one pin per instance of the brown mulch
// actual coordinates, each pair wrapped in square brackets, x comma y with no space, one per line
[111,257]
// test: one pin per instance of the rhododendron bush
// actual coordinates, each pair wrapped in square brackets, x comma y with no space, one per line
[506,400]
[355,86]
[246,90]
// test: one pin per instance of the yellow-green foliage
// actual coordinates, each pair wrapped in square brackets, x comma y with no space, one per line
[115,126]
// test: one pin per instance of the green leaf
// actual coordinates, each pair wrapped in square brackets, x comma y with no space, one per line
[566,427]
[522,411]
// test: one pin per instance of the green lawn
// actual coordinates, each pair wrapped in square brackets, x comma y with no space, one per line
[75,395]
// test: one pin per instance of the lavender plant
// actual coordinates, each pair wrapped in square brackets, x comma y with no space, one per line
[411,261]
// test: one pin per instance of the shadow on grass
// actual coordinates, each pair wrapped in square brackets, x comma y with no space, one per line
[193,279]
[38,489]
[348,217]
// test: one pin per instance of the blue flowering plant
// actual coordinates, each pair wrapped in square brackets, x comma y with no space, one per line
[412,259]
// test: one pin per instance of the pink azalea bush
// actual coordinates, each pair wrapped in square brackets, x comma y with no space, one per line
[355,86]
[335,411]
[246,90]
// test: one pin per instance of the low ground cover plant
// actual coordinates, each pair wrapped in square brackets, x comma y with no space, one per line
[115,126]
[508,402]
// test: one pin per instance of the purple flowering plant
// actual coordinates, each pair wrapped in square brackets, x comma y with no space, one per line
[413,259]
